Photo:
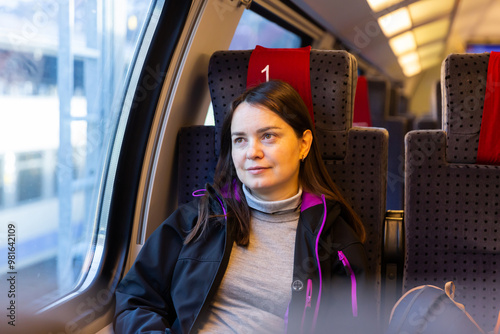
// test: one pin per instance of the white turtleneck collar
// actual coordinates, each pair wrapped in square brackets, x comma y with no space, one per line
[273,207]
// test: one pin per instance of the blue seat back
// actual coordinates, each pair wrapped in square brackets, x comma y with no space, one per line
[379,95]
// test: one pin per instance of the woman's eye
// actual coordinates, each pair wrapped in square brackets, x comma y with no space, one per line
[238,140]
[268,136]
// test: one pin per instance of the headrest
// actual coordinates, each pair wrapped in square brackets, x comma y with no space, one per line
[463,78]
[333,77]
[289,65]
[488,151]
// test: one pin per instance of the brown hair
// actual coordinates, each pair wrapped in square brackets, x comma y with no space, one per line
[282,99]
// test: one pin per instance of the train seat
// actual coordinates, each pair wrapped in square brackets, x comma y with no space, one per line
[397,126]
[451,202]
[356,158]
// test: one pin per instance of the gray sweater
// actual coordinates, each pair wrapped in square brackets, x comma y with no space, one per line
[254,294]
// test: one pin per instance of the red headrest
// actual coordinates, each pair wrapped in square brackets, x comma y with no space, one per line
[290,65]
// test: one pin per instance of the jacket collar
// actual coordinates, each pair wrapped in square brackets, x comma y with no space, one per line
[312,212]
[217,204]
[309,200]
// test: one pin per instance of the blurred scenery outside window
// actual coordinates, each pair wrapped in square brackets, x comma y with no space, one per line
[63,70]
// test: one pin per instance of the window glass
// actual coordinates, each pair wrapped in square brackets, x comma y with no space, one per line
[481,48]
[254,29]
[63,68]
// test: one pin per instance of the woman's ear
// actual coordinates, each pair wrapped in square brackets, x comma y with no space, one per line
[305,144]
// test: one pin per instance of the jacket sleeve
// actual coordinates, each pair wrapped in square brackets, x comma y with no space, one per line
[143,303]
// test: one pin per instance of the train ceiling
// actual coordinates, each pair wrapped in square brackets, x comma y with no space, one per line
[403,38]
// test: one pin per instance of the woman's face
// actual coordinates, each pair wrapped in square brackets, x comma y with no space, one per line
[266,152]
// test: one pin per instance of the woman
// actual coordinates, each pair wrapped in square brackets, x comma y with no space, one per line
[271,246]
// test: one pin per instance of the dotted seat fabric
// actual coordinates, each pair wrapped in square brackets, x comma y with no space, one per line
[197,160]
[452,205]
[379,95]
[361,178]
[464,90]
[356,158]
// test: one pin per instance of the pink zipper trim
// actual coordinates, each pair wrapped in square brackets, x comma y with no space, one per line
[354,298]
[307,303]
[316,311]
[309,292]
[223,208]
[225,191]
[196,193]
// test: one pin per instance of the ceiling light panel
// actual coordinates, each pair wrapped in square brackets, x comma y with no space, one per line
[408,59]
[395,22]
[433,49]
[412,69]
[424,10]
[403,43]
[431,31]
[410,63]
[378,5]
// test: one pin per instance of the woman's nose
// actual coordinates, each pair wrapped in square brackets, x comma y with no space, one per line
[254,151]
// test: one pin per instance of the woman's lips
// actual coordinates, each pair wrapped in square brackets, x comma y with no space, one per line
[257,170]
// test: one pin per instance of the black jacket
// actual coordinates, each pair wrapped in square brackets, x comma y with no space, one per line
[170,285]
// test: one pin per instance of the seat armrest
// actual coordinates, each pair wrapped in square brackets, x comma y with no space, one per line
[393,254]
[393,251]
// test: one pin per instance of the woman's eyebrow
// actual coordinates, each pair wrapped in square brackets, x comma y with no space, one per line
[267,128]
[261,130]
[238,134]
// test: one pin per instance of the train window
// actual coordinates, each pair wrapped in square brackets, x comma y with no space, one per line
[29,176]
[63,70]
[480,48]
[249,33]
[1,182]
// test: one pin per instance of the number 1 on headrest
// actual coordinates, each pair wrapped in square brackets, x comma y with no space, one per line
[266,69]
